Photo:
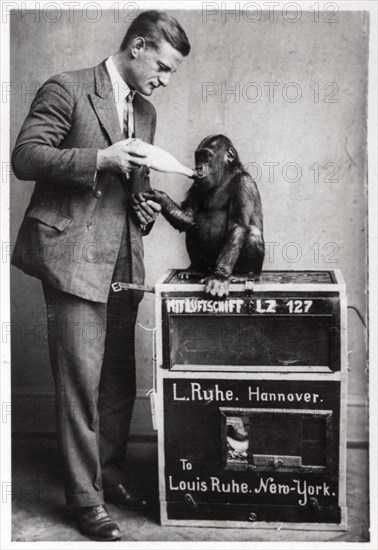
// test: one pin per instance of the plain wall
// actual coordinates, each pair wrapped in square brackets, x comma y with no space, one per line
[327,220]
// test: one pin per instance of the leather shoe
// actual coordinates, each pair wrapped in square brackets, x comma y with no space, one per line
[96,524]
[124,498]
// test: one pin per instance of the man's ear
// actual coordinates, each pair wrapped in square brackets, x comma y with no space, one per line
[231,155]
[138,44]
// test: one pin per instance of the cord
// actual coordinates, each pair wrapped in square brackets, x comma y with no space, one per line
[359,315]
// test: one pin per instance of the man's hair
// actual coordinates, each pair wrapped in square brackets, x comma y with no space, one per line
[155,26]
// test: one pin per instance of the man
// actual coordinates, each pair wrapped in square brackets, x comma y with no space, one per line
[79,235]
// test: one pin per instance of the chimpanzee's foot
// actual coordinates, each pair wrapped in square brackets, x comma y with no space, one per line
[255,276]
[251,276]
[187,274]
[234,280]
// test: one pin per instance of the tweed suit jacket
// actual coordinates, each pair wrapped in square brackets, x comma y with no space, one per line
[71,233]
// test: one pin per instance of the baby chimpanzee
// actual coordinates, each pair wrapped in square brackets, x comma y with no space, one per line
[222,216]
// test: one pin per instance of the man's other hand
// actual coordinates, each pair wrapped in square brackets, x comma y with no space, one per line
[145,210]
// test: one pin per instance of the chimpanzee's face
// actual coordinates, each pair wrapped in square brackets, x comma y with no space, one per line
[206,168]
[213,160]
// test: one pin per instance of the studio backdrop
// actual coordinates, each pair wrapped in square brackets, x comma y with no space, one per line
[290,90]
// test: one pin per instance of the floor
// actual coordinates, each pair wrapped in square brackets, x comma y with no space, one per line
[39,513]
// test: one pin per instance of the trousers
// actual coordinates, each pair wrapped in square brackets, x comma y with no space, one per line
[92,355]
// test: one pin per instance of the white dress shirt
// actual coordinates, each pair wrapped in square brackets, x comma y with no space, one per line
[120,88]
[120,92]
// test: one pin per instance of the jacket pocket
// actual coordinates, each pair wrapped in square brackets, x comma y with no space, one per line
[52,218]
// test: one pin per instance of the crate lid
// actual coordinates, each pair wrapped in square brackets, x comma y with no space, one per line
[326,280]
[276,277]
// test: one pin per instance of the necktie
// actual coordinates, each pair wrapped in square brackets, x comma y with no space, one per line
[128,117]
[128,120]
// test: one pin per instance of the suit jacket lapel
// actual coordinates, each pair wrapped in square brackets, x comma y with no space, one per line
[104,105]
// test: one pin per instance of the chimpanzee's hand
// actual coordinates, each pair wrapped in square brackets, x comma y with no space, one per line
[146,210]
[217,285]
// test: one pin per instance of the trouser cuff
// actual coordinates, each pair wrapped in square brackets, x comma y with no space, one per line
[80,500]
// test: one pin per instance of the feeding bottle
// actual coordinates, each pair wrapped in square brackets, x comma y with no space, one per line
[158,159]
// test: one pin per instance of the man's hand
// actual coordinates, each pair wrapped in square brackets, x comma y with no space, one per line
[146,210]
[119,157]
[151,195]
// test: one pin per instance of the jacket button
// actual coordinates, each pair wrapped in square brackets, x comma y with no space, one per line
[98,194]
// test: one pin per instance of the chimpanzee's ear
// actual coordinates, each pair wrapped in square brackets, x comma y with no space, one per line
[231,155]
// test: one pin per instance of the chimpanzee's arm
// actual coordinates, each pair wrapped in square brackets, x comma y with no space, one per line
[180,217]
[245,217]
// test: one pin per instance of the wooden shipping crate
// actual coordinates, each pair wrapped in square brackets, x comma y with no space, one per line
[251,402]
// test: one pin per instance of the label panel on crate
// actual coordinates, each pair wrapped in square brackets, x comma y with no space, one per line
[275,341]
[246,443]
[263,305]
[290,333]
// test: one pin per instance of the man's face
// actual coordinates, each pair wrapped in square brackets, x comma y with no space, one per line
[152,67]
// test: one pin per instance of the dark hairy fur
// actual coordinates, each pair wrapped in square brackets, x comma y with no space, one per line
[221,215]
